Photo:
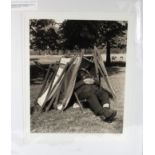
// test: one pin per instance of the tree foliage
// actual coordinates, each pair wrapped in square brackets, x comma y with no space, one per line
[78,33]
[112,34]
[86,34]
[43,34]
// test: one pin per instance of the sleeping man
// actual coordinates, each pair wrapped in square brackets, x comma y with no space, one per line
[98,99]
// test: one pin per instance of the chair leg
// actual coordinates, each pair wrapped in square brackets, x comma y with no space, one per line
[78,101]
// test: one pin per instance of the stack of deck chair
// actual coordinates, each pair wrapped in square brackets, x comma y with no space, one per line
[58,86]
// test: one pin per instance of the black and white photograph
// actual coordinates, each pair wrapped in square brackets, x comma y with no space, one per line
[77,75]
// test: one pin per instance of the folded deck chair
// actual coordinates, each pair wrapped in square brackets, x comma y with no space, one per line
[63,63]
[61,88]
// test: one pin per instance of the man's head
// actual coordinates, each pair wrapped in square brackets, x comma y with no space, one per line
[83,73]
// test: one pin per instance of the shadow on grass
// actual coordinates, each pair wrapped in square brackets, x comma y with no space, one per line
[38,73]
[117,63]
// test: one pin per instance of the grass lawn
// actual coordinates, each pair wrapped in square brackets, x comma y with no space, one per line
[76,121]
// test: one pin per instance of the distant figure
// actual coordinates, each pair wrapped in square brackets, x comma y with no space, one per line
[114,58]
[98,98]
[121,58]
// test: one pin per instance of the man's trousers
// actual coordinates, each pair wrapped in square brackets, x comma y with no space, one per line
[95,96]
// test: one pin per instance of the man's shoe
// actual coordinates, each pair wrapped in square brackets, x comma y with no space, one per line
[111,118]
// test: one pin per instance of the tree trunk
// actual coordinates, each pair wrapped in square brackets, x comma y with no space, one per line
[108,59]
[39,52]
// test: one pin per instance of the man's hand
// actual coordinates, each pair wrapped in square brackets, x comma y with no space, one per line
[89,81]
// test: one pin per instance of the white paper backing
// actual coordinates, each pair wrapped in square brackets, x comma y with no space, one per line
[130,142]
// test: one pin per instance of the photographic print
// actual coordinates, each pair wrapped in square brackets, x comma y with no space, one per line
[77,75]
